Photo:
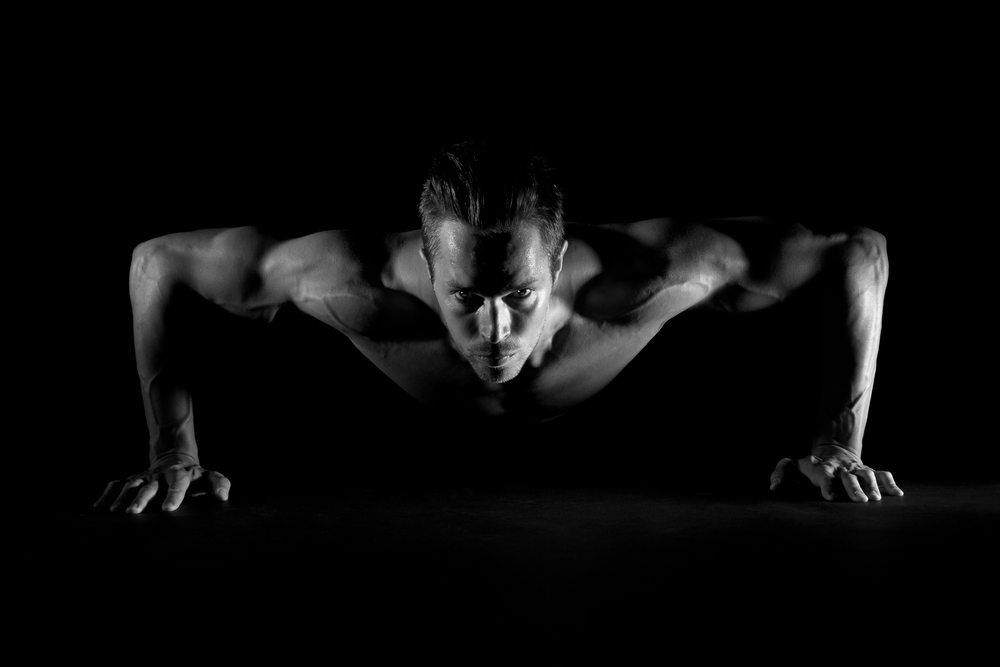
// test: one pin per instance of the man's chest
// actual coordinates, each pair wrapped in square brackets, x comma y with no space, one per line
[582,359]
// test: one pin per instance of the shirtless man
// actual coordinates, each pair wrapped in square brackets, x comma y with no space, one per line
[496,307]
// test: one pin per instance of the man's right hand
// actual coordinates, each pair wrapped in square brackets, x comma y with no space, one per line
[134,493]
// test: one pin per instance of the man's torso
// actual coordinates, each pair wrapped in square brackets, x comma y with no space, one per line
[617,289]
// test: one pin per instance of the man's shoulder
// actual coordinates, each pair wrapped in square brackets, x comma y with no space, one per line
[405,269]
[612,270]
[638,251]
[355,254]
[642,274]
[367,285]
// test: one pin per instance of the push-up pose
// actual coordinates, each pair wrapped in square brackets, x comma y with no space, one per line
[494,306]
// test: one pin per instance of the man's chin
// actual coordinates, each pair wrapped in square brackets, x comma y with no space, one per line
[499,374]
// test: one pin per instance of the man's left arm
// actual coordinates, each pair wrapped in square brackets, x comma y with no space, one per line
[765,263]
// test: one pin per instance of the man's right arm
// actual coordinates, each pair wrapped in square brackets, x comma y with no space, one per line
[238,269]
[223,266]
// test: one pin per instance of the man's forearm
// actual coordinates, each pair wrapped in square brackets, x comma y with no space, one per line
[852,328]
[167,402]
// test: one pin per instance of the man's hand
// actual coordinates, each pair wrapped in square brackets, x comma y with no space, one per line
[134,493]
[829,464]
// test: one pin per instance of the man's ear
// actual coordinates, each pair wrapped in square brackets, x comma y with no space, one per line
[559,266]
[427,265]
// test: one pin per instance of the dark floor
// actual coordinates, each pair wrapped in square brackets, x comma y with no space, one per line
[525,558]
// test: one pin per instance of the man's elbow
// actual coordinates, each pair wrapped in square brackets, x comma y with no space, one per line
[151,264]
[143,256]
[865,251]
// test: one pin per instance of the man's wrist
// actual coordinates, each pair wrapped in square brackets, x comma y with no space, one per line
[167,459]
[173,446]
[831,449]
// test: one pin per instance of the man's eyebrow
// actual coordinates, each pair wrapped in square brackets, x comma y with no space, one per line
[510,287]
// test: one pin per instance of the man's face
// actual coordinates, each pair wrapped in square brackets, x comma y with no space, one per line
[494,294]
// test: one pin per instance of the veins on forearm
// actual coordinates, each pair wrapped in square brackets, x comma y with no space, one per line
[853,321]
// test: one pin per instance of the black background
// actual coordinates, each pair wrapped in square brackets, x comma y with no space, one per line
[135,126]
[132,139]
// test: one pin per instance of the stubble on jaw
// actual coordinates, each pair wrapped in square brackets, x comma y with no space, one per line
[497,376]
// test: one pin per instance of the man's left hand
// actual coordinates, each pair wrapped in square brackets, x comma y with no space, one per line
[831,463]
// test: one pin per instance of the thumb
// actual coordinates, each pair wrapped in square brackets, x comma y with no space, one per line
[779,472]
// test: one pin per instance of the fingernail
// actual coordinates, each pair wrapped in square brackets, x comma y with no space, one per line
[133,509]
[169,507]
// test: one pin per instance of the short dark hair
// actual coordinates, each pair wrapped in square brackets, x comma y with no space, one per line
[491,187]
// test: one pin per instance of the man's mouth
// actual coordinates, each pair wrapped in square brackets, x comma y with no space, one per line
[495,360]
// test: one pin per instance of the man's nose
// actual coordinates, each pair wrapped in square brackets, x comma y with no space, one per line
[494,323]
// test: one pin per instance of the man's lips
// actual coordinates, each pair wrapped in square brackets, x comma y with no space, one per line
[493,359]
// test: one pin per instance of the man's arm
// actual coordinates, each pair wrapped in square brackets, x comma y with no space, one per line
[225,267]
[765,263]
[238,269]
[339,277]
[745,264]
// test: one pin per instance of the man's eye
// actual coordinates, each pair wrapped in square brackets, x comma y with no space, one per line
[463,295]
[521,293]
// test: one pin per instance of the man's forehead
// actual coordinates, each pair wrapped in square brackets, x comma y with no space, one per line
[469,253]
[461,237]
